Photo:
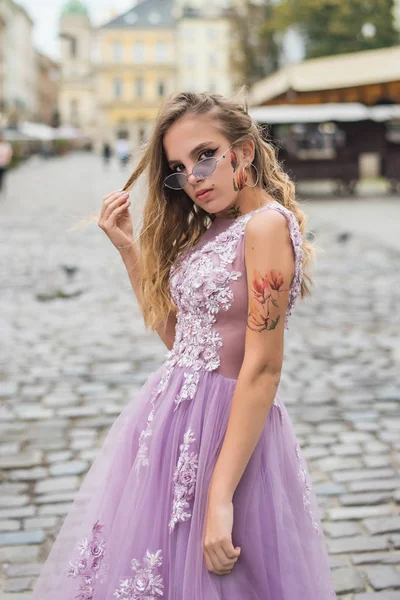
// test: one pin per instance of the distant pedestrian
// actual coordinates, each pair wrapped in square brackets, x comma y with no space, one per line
[122,151]
[6,153]
[106,153]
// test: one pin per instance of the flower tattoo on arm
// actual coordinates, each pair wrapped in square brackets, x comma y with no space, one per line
[264,313]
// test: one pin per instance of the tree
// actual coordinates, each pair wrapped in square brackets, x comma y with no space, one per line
[335,26]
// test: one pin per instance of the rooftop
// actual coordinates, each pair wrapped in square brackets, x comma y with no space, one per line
[148,14]
[331,72]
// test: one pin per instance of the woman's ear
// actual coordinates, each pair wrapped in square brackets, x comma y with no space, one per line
[248,148]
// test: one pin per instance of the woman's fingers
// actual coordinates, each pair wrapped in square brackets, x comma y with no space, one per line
[109,205]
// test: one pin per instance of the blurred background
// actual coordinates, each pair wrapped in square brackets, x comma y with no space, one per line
[81,82]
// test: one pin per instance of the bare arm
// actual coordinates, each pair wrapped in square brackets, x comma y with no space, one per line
[130,256]
[270,266]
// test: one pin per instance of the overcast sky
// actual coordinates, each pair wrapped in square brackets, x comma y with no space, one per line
[46,13]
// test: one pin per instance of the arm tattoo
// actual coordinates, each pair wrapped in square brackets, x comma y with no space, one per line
[264,313]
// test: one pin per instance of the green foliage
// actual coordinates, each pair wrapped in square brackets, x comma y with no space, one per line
[335,26]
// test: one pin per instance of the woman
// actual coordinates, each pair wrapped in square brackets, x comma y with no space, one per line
[200,490]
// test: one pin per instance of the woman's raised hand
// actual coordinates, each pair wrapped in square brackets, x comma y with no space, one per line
[115,219]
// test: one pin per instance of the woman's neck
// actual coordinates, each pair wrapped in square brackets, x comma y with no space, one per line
[246,202]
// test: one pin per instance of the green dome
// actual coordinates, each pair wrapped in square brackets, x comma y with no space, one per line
[75,7]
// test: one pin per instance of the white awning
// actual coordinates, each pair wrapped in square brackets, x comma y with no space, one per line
[322,113]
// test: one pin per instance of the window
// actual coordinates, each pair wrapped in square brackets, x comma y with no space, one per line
[74,109]
[161,52]
[161,89]
[139,87]
[117,52]
[118,88]
[74,47]
[139,52]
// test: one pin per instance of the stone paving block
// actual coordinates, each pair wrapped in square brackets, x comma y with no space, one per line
[395,539]
[29,474]
[382,525]
[19,596]
[54,509]
[57,484]
[358,512]
[23,459]
[341,529]
[364,498]
[346,580]
[373,460]
[72,467]
[20,584]
[66,496]
[347,450]
[17,512]
[359,543]
[361,474]
[334,463]
[382,577]
[22,569]
[376,557]
[388,595]
[7,501]
[374,485]
[19,554]
[40,522]
[9,525]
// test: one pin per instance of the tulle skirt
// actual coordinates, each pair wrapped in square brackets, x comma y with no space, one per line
[135,528]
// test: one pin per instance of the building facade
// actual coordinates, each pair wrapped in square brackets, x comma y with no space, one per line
[47,84]
[77,85]
[18,64]
[136,70]
[115,77]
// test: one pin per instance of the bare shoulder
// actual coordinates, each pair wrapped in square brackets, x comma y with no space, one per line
[267,223]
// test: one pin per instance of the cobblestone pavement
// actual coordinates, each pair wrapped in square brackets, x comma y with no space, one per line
[74,350]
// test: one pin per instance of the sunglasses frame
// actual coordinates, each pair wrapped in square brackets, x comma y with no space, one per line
[193,173]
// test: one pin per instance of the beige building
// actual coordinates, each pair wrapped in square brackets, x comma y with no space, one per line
[206,46]
[47,83]
[115,77]
[136,70]
[2,65]
[77,85]
[18,66]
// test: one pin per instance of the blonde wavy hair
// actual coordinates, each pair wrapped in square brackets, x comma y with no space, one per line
[172,223]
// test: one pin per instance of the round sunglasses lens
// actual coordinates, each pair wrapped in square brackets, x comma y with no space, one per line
[205,167]
[176,181]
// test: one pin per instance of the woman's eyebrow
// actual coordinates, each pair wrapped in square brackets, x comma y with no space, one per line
[193,152]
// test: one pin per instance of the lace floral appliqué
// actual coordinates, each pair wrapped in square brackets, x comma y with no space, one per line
[145,585]
[200,284]
[184,481]
[302,474]
[89,566]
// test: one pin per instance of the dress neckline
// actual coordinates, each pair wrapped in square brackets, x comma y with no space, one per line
[251,212]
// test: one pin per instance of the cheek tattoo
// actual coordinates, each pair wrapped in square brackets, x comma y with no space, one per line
[239,178]
[264,313]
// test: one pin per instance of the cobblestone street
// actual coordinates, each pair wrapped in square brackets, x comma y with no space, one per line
[74,351]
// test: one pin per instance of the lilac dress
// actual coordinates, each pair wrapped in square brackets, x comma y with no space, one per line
[135,529]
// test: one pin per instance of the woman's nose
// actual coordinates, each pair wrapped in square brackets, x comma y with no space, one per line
[192,179]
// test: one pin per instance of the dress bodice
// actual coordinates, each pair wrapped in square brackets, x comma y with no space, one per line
[208,284]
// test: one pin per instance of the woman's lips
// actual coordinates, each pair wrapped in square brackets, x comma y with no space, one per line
[204,195]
